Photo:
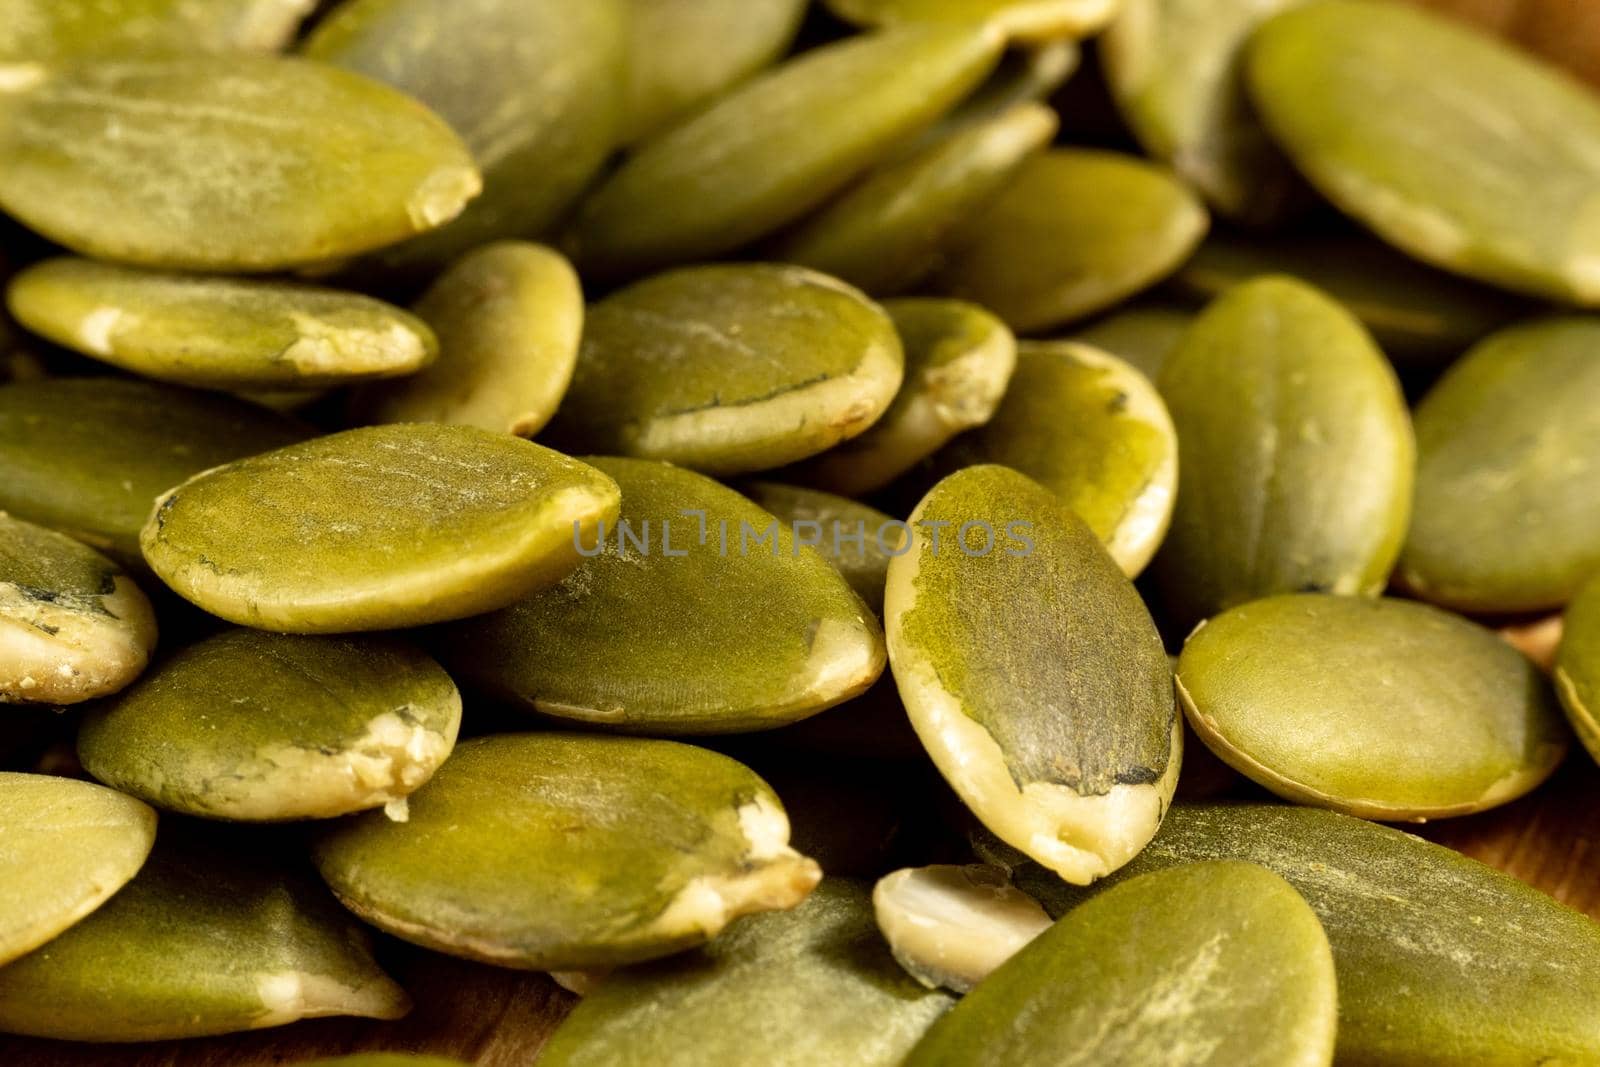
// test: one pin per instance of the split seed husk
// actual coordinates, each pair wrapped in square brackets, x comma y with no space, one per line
[376,529]
[953,926]
[863,560]
[570,852]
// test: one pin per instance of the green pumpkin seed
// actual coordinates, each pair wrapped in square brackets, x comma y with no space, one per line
[1024,20]
[1075,232]
[730,368]
[1441,960]
[209,938]
[952,926]
[1033,673]
[1297,449]
[1213,963]
[769,151]
[256,726]
[1176,71]
[509,317]
[224,333]
[1384,709]
[89,456]
[565,851]
[376,529]
[1094,431]
[533,86]
[1505,516]
[1577,667]
[959,359]
[1143,336]
[228,163]
[73,626]
[1451,145]
[790,989]
[44,887]
[888,232]
[1416,314]
[682,55]
[699,613]
[855,538]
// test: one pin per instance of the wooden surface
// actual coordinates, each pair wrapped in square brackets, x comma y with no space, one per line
[501,1018]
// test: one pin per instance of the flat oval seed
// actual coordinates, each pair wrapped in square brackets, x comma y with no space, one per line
[228,163]
[1176,71]
[209,938]
[1438,956]
[256,726]
[952,926]
[1033,673]
[887,233]
[959,359]
[89,456]
[1507,514]
[376,529]
[857,539]
[1075,232]
[1212,964]
[730,368]
[777,635]
[799,988]
[73,626]
[1092,430]
[1143,336]
[65,847]
[682,55]
[642,849]
[1297,451]
[1384,709]
[1451,145]
[509,317]
[1023,20]
[771,150]
[1415,313]
[222,333]
[535,88]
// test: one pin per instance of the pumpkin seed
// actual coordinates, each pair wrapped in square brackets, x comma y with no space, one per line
[1024,20]
[209,938]
[256,726]
[682,55]
[1297,449]
[1176,71]
[1094,431]
[46,888]
[855,538]
[1143,336]
[1506,489]
[228,163]
[1033,673]
[1436,953]
[959,359]
[1577,668]
[1384,709]
[698,613]
[1214,963]
[509,317]
[1027,75]
[533,86]
[73,626]
[89,456]
[767,152]
[952,926]
[225,333]
[809,986]
[376,529]
[730,368]
[1502,187]
[887,233]
[643,848]
[1075,232]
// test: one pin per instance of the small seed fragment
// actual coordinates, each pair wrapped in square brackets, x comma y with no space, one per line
[953,926]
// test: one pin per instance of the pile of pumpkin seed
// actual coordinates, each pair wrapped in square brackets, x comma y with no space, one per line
[741,505]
